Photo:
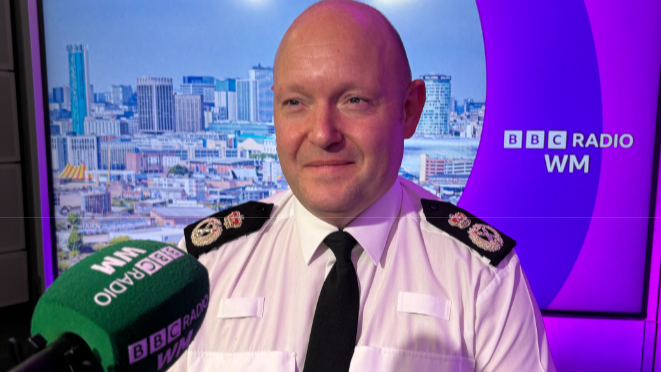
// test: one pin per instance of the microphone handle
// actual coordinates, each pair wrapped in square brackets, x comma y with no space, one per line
[52,358]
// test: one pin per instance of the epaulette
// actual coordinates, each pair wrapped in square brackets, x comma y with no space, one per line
[470,230]
[222,227]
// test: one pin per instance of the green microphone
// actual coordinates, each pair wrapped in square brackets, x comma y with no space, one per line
[135,305]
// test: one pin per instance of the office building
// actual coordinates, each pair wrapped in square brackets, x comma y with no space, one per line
[82,96]
[95,202]
[113,153]
[225,103]
[121,94]
[264,78]
[472,107]
[83,150]
[272,171]
[430,167]
[204,86]
[189,113]
[436,113]
[193,187]
[103,127]
[155,105]
[247,100]
[151,161]
[59,158]
[62,95]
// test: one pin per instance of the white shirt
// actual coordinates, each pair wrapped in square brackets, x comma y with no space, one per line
[427,301]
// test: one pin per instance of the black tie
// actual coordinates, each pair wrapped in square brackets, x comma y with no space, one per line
[335,323]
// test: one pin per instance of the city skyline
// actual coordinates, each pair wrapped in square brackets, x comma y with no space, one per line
[179,41]
[145,139]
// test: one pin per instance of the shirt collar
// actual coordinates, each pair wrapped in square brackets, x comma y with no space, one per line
[370,228]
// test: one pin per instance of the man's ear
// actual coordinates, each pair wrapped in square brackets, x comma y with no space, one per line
[415,97]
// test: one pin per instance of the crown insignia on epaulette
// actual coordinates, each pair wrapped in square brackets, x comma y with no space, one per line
[470,230]
[234,220]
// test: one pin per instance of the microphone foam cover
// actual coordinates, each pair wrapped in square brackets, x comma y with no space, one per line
[137,304]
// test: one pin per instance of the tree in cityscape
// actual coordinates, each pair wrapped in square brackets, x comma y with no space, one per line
[73,219]
[75,240]
[119,239]
[178,170]
[263,156]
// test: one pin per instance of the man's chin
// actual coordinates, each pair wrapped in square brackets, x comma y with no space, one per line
[330,202]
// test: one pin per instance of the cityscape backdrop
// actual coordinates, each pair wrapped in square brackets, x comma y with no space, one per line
[141,155]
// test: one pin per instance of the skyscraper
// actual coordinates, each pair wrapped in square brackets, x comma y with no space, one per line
[225,100]
[58,146]
[188,110]
[121,94]
[436,113]
[202,85]
[247,100]
[264,78]
[81,90]
[155,105]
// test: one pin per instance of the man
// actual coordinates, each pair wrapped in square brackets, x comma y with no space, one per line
[355,268]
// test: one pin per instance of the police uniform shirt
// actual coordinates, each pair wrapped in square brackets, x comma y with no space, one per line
[427,301]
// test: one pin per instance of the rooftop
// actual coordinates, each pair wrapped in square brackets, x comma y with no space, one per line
[225,161]
[198,212]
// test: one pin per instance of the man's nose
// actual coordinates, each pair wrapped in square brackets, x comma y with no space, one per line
[324,131]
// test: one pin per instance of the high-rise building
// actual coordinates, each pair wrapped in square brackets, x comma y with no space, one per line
[120,94]
[58,146]
[247,100]
[201,85]
[264,78]
[58,95]
[225,103]
[155,105]
[102,97]
[82,96]
[83,149]
[436,113]
[189,113]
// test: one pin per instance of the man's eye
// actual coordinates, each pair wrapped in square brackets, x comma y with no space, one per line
[292,102]
[354,100]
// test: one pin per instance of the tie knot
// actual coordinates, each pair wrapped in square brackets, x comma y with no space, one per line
[341,243]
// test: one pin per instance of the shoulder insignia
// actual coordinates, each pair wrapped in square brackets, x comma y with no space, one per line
[470,230]
[222,227]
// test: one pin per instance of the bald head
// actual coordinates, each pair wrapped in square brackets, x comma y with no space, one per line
[339,21]
[343,104]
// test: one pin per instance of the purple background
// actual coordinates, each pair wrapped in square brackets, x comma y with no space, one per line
[628,43]
[576,344]
[541,75]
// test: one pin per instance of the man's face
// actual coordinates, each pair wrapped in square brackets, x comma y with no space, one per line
[338,119]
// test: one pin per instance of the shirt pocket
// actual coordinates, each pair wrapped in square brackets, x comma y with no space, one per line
[263,361]
[369,358]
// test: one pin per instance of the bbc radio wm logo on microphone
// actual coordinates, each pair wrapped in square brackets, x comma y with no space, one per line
[559,140]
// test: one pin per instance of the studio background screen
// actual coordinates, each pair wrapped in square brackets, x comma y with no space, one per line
[540,119]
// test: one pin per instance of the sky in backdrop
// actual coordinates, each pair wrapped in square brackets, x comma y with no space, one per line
[225,38]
